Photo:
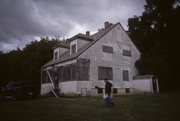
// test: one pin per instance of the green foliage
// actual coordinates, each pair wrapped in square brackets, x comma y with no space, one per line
[26,64]
[156,35]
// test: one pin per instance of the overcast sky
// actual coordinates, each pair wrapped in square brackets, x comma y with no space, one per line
[23,21]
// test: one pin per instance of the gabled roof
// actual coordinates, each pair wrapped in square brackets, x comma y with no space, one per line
[81,36]
[62,45]
[93,39]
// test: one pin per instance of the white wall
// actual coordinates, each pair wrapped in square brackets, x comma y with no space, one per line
[74,87]
[60,51]
[45,88]
[81,43]
[69,87]
[117,39]
[143,85]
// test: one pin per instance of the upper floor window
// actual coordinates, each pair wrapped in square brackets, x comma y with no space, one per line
[107,49]
[56,55]
[73,48]
[127,53]
[125,75]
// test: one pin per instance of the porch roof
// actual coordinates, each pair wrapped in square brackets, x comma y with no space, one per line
[143,77]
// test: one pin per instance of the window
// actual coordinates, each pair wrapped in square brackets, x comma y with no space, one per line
[67,73]
[56,55]
[107,49]
[127,90]
[115,90]
[45,77]
[100,90]
[127,53]
[83,71]
[73,49]
[73,72]
[125,75]
[105,72]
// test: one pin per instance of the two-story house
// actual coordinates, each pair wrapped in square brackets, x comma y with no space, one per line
[79,65]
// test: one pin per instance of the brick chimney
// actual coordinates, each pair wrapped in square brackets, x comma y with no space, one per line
[88,33]
[106,25]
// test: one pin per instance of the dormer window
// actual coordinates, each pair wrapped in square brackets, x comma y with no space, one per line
[56,55]
[73,48]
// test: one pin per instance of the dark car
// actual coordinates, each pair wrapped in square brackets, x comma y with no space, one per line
[19,89]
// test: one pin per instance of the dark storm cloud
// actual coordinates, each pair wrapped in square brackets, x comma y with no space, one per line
[22,21]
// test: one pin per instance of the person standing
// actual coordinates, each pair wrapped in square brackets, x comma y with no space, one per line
[108,88]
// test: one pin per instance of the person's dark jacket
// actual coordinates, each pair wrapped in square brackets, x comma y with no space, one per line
[108,87]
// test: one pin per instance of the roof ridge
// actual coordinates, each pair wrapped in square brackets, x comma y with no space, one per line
[95,40]
[82,50]
[82,36]
[103,31]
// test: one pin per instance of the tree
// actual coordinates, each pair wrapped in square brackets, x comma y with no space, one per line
[26,64]
[155,33]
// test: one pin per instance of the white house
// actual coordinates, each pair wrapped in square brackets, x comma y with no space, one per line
[79,65]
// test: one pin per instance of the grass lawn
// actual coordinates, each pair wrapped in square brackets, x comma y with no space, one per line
[159,107]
